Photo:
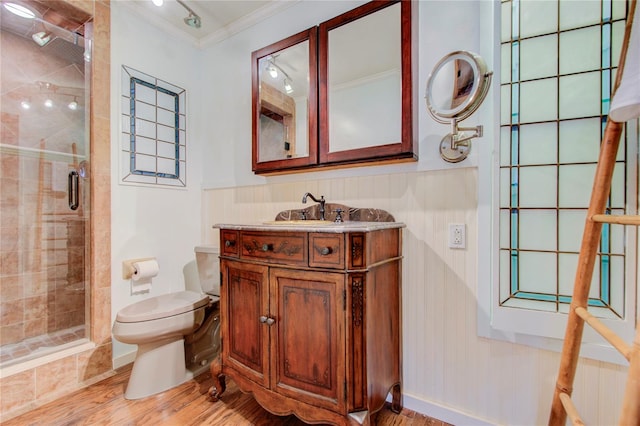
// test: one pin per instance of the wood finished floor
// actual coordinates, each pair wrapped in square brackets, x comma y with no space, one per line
[103,404]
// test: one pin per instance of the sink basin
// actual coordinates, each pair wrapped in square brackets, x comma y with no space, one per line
[300,222]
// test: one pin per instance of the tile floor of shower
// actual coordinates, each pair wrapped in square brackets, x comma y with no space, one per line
[40,345]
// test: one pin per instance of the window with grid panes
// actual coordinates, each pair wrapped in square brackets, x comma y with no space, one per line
[558,65]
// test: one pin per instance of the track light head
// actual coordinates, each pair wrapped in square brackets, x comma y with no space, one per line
[273,72]
[287,86]
[193,21]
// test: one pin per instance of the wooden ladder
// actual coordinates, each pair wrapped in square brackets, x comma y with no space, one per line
[562,405]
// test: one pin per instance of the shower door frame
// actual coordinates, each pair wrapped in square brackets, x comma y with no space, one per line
[30,384]
[45,139]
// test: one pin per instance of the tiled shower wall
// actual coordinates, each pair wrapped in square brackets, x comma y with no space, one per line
[60,375]
[42,249]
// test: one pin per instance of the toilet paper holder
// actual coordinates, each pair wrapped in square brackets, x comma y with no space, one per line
[128,269]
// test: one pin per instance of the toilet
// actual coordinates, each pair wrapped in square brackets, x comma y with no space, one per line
[178,334]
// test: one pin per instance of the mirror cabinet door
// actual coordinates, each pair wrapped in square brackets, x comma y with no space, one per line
[366,77]
[284,103]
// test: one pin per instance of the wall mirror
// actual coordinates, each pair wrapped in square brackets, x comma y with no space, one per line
[455,89]
[284,103]
[338,94]
[366,80]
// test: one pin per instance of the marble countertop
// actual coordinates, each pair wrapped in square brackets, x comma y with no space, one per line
[312,226]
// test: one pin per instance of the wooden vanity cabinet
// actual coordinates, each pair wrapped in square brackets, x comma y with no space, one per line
[311,322]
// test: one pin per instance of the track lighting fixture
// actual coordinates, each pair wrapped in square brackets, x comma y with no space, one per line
[52,95]
[275,70]
[193,20]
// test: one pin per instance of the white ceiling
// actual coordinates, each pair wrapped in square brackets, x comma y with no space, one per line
[220,18]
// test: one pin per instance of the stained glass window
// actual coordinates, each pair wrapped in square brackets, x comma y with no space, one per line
[153,130]
[558,64]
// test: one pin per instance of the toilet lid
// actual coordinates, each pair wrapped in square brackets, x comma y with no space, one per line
[162,306]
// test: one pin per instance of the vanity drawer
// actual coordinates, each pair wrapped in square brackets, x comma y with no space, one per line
[326,250]
[229,242]
[286,248]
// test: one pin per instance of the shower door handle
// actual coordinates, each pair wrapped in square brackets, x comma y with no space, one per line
[74,189]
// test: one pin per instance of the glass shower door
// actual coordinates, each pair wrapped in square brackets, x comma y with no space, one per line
[44,210]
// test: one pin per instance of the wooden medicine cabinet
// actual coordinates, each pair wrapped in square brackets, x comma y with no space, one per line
[284,103]
[356,104]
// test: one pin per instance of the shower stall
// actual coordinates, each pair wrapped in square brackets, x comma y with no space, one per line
[44,154]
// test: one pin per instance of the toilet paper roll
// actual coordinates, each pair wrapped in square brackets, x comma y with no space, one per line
[145,270]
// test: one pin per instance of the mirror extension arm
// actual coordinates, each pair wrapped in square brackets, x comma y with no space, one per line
[455,146]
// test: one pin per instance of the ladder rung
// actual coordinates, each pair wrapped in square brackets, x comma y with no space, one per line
[570,409]
[605,332]
[617,219]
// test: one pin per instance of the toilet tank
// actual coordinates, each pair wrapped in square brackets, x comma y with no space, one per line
[208,268]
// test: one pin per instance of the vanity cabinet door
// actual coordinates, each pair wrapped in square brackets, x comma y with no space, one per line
[244,302]
[310,343]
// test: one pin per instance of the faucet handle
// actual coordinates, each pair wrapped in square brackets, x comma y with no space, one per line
[338,213]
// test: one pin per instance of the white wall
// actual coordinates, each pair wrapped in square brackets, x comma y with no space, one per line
[153,221]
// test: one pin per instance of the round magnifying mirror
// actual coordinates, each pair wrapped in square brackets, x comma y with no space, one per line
[457,86]
[455,89]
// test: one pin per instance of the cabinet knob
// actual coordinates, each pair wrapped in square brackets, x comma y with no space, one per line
[229,243]
[265,247]
[325,251]
[267,320]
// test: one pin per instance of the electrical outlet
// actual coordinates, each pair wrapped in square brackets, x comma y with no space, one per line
[457,236]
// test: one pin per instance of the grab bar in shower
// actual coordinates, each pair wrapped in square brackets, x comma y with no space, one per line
[73,186]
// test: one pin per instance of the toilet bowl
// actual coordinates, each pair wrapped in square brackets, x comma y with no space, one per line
[177,333]
[161,317]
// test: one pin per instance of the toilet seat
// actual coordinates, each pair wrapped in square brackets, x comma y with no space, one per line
[163,306]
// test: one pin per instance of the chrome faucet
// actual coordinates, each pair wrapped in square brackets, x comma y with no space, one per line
[321,201]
